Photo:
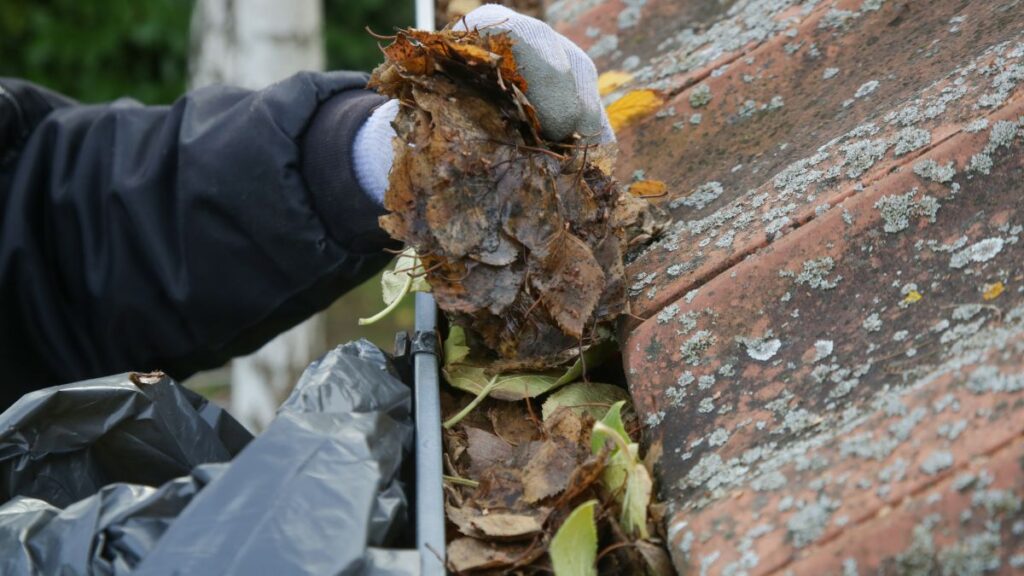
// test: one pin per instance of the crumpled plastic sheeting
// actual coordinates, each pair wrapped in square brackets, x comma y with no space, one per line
[319,492]
[64,443]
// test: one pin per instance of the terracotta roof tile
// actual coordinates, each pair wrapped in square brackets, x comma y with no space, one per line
[832,361]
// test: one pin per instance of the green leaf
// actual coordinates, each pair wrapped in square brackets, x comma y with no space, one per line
[624,475]
[474,379]
[573,550]
[408,276]
[636,498]
[613,422]
[592,398]
[455,348]
[408,269]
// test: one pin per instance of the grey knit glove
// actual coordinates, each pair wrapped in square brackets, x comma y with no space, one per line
[561,85]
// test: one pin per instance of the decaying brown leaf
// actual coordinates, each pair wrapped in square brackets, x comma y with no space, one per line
[548,471]
[469,554]
[485,450]
[522,239]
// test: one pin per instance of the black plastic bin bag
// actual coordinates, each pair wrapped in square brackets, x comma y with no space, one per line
[119,476]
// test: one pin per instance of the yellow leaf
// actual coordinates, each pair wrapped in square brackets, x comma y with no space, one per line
[609,81]
[992,291]
[632,107]
[912,297]
[647,188]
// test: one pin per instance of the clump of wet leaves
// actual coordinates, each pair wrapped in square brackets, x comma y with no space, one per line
[530,496]
[521,239]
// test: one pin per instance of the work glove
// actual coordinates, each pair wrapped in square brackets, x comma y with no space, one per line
[561,84]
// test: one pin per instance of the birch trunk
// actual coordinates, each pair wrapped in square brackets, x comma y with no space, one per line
[254,43]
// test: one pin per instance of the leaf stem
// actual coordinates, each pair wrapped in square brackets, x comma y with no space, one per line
[476,401]
[460,481]
[394,304]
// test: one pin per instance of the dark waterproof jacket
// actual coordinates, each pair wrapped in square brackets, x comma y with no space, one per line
[174,237]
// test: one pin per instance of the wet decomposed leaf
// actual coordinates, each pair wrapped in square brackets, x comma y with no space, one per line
[467,554]
[648,189]
[507,526]
[634,106]
[485,450]
[609,81]
[510,424]
[592,398]
[656,558]
[549,470]
[513,230]
[573,550]
[501,487]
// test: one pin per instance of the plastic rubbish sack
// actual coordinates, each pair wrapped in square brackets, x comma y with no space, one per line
[319,492]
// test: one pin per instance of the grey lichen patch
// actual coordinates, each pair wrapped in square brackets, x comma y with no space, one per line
[773,480]
[702,196]
[809,523]
[822,350]
[951,430]
[965,312]
[862,155]
[836,18]
[932,170]
[981,251]
[910,139]
[706,406]
[975,555]
[630,15]
[761,349]
[815,274]
[937,462]
[718,438]
[866,89]
[799,420]
[700,96]
[693,349]
[605,45]
[989,380]
[829,73]
[641,281]
[898,210]
[1002,134]
[695,119]
[977,125]
[920,557]
[872,323]
[981,163]
[667,314]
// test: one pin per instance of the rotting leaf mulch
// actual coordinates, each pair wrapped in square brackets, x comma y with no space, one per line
[527,476]
[522,241]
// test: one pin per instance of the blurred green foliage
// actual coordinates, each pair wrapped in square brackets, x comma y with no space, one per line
[99,50]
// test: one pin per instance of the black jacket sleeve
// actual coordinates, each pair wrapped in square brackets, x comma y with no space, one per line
[173,238]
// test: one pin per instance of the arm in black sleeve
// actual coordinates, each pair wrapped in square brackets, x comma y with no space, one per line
[137,238]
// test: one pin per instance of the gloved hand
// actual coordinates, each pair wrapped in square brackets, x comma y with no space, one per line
[561,84]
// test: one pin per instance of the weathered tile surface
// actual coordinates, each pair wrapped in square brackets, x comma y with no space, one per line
[832,361]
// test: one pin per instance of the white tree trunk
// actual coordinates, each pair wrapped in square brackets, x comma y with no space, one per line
[254,43]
